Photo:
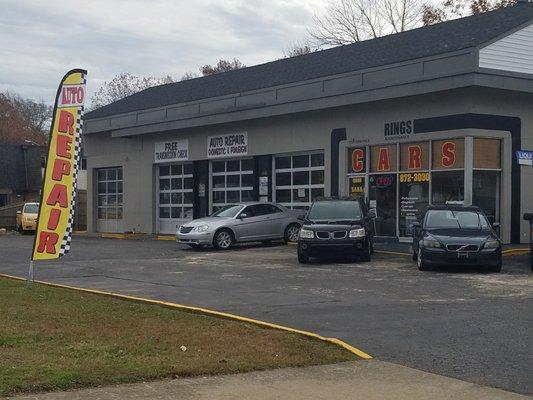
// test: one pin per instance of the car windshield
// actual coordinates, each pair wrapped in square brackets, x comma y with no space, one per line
[335,210]
[228,211]
[31,208]
[455,219]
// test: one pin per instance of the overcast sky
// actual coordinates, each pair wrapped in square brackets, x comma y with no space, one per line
[41,40]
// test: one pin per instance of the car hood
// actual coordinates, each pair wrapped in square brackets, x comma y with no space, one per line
[332,227]
[215,221]
[460,236]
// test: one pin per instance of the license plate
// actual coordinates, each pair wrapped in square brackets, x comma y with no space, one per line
[462,255]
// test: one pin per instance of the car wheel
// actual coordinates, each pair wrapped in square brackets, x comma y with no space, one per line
[497,267]
[302,258]
[291,233]
[367,254]
[223,239]
[422,265]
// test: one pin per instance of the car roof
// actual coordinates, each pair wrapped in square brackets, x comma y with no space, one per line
[453,207]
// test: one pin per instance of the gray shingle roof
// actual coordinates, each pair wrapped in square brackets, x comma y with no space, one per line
[427,41]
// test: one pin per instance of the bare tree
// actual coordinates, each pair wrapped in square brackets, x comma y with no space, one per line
[36,115]
[451,9]
[221,66]
[15,125]
[124,85]
[189,75]
[298,49]
[348,21]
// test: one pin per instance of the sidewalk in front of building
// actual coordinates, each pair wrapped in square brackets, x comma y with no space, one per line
[369,380]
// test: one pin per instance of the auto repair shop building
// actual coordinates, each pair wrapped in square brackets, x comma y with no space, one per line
[432,115]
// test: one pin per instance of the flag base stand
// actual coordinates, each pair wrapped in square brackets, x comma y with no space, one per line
[30,273]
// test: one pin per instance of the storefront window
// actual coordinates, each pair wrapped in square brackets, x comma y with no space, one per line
[414,198]
[486,193]
[447,187]
[383,198]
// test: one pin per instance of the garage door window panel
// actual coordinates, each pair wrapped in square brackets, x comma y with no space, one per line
[232,181]
[299,179]
[109,196]
[175,194]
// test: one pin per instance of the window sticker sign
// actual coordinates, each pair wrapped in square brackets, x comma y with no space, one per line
[173,150]
[525,157]
[230,145]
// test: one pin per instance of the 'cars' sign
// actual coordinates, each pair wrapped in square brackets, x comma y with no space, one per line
[231,145]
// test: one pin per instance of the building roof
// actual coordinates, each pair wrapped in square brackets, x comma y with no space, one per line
[446,37]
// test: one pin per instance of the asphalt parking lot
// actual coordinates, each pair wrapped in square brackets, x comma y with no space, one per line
[463,324]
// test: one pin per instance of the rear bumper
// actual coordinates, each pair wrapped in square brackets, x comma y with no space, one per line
[205,238]
[480,258]
[315,248]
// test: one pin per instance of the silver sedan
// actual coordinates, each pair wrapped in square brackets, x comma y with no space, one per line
[243,222]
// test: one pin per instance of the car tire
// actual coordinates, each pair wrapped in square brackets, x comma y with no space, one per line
[421,264]
[367,255]
[223,239]
[497,268]
[291,233]
[302,258]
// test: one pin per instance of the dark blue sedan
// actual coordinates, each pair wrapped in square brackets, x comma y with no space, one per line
[456,235]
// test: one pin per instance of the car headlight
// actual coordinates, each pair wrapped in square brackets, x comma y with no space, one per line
[431,243]
[307,234]
[355,233]
[491,244]
[200,228]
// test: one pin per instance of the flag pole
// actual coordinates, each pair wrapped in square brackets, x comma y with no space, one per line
[30,273]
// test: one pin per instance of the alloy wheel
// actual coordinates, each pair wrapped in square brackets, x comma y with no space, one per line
[292,233]
[224,240]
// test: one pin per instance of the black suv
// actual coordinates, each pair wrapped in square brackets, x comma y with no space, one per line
[338,226]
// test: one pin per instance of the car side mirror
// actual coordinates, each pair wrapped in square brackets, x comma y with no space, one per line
[19,212]
[495,224]
[415,225]
[243,215]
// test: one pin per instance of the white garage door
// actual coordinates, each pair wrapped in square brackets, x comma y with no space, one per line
[174,196]
[232,181]
[298,179]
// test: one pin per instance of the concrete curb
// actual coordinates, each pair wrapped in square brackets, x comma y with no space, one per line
[204,311]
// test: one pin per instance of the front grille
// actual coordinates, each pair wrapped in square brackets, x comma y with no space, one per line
[339,234]
[185,229]
[322,235]
[462,247]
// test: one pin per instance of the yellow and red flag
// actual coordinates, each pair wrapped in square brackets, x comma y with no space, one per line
[58,196]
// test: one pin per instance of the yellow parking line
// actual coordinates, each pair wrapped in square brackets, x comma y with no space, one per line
[395,253]
[515,252]
[206,311]
[166,237]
